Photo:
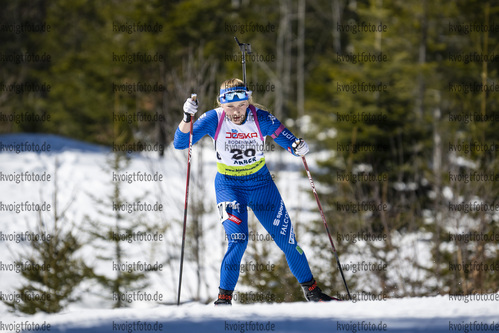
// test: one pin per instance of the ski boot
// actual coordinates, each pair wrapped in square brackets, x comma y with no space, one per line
[314,294]
[224,297]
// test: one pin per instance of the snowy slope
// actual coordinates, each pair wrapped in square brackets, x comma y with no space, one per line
[429,314]
[80,174]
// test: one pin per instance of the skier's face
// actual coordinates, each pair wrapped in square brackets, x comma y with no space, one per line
[236,111]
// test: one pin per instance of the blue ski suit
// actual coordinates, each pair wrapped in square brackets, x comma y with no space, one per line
[243,181]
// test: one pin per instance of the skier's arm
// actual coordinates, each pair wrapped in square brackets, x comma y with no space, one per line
[296,146]
[270,125]
[206,124]
[184,127]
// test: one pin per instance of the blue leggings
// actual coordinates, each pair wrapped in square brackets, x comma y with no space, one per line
[262,196]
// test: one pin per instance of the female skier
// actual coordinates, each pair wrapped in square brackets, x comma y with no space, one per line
[238,129]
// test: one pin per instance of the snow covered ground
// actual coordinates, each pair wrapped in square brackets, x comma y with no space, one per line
[428,314]
[82,177]
[80,171]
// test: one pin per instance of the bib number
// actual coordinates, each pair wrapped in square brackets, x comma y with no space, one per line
[238,153]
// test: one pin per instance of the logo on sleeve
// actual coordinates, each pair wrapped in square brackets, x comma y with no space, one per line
[272,118]
[288,135]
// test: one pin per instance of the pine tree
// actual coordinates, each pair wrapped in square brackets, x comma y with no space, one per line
[52,268]
[464,236]
[109,237]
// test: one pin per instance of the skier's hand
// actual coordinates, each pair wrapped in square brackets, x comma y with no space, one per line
[300,147]
[190,109]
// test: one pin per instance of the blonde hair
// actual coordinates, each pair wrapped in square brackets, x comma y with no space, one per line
[235,82]
[230,83]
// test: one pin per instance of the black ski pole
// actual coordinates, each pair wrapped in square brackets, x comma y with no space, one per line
[245,48]
[193,97]
[325,224]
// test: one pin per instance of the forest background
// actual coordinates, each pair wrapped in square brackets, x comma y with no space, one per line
[400,97]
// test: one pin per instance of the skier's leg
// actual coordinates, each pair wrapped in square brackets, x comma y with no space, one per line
[234,217]
[237,236]
[269,208]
